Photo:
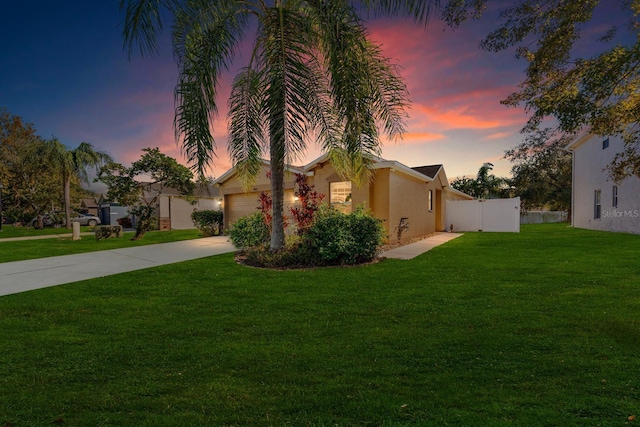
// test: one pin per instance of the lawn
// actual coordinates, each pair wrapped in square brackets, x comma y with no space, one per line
[31,249]
[11,231]
[530,329]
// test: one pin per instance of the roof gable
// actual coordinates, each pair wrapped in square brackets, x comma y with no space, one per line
[431,170]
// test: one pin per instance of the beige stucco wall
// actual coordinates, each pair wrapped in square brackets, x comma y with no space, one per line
[589,160]
[408,198]
[175,211]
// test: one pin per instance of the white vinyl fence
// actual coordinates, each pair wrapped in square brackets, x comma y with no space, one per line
[484,215]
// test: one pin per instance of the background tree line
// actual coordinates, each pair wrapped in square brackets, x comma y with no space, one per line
[540,175]
[41,175]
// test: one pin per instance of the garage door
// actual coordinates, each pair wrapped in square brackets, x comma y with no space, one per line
[239,205]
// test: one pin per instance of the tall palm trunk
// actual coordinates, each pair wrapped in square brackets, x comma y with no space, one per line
[67,199]
[277,183]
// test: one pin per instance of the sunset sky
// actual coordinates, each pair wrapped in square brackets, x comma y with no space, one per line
[64,69]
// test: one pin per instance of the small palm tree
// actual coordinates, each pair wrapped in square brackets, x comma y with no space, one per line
[311,71]
[72,163]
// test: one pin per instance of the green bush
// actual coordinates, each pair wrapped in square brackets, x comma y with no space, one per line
[209,222]
[343,239]
[250,231]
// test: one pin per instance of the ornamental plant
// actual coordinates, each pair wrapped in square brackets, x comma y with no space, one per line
[209,222]
[309,203]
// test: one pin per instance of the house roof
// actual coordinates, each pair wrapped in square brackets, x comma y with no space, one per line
[458,192]
[228,174]
[88,203]
[431,170]
[580,139]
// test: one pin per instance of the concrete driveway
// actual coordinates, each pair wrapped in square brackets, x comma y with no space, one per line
[21,276]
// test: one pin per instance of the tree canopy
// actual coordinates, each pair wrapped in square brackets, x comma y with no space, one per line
[140,185]
[484,186]
[597,91]
[542,171]
[28,172]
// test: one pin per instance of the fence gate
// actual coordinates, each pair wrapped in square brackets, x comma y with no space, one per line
[484,215]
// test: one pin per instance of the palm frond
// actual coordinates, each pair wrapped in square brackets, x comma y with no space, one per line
[286,39]
[246,125]
[366,89]
[204,39]
[142,23]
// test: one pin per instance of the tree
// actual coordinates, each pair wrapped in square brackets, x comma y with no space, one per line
[73,163]
[484,186]
[598,93]
[159,171]
[542,171]
[311,71]
[25,170]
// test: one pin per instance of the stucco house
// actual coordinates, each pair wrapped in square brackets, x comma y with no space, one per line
[410,202]
[597,201]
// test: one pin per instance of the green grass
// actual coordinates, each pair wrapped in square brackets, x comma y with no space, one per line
[31,249]
[533,329]
[9,231]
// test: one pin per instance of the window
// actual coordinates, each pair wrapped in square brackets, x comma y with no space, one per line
[340,197]
[596,204]
[614,201]
[430,200]
[605,143]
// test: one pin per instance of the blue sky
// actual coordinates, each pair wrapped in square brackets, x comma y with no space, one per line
[64,69]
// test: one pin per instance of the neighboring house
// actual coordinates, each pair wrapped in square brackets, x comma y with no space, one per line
[173,210]
[598,202]
[89,207]
[109,212]
[409,202]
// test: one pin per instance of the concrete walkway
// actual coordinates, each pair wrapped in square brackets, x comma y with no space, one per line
[21,276]
[414,249]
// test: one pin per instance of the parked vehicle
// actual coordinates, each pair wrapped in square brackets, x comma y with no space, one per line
[90,220]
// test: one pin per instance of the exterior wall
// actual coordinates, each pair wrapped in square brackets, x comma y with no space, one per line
[380,198]
[589,160]
[174,212]
[408,198]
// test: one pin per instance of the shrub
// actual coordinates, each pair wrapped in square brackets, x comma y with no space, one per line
[334,238]
[209,222]
[250,231]
[338,239]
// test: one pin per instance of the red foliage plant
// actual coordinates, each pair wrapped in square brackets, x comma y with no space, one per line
[309,200]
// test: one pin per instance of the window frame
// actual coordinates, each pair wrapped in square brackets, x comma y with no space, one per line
[346,205]
[597,204]
[430,203]
[614,196]
[605,144]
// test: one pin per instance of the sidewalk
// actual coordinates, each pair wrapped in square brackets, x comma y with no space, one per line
[21,276]
[418,248]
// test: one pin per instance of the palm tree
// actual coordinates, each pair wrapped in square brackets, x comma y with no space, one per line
[72,163]
[311,71]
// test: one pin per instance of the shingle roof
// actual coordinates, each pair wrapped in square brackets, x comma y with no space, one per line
[430,170]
